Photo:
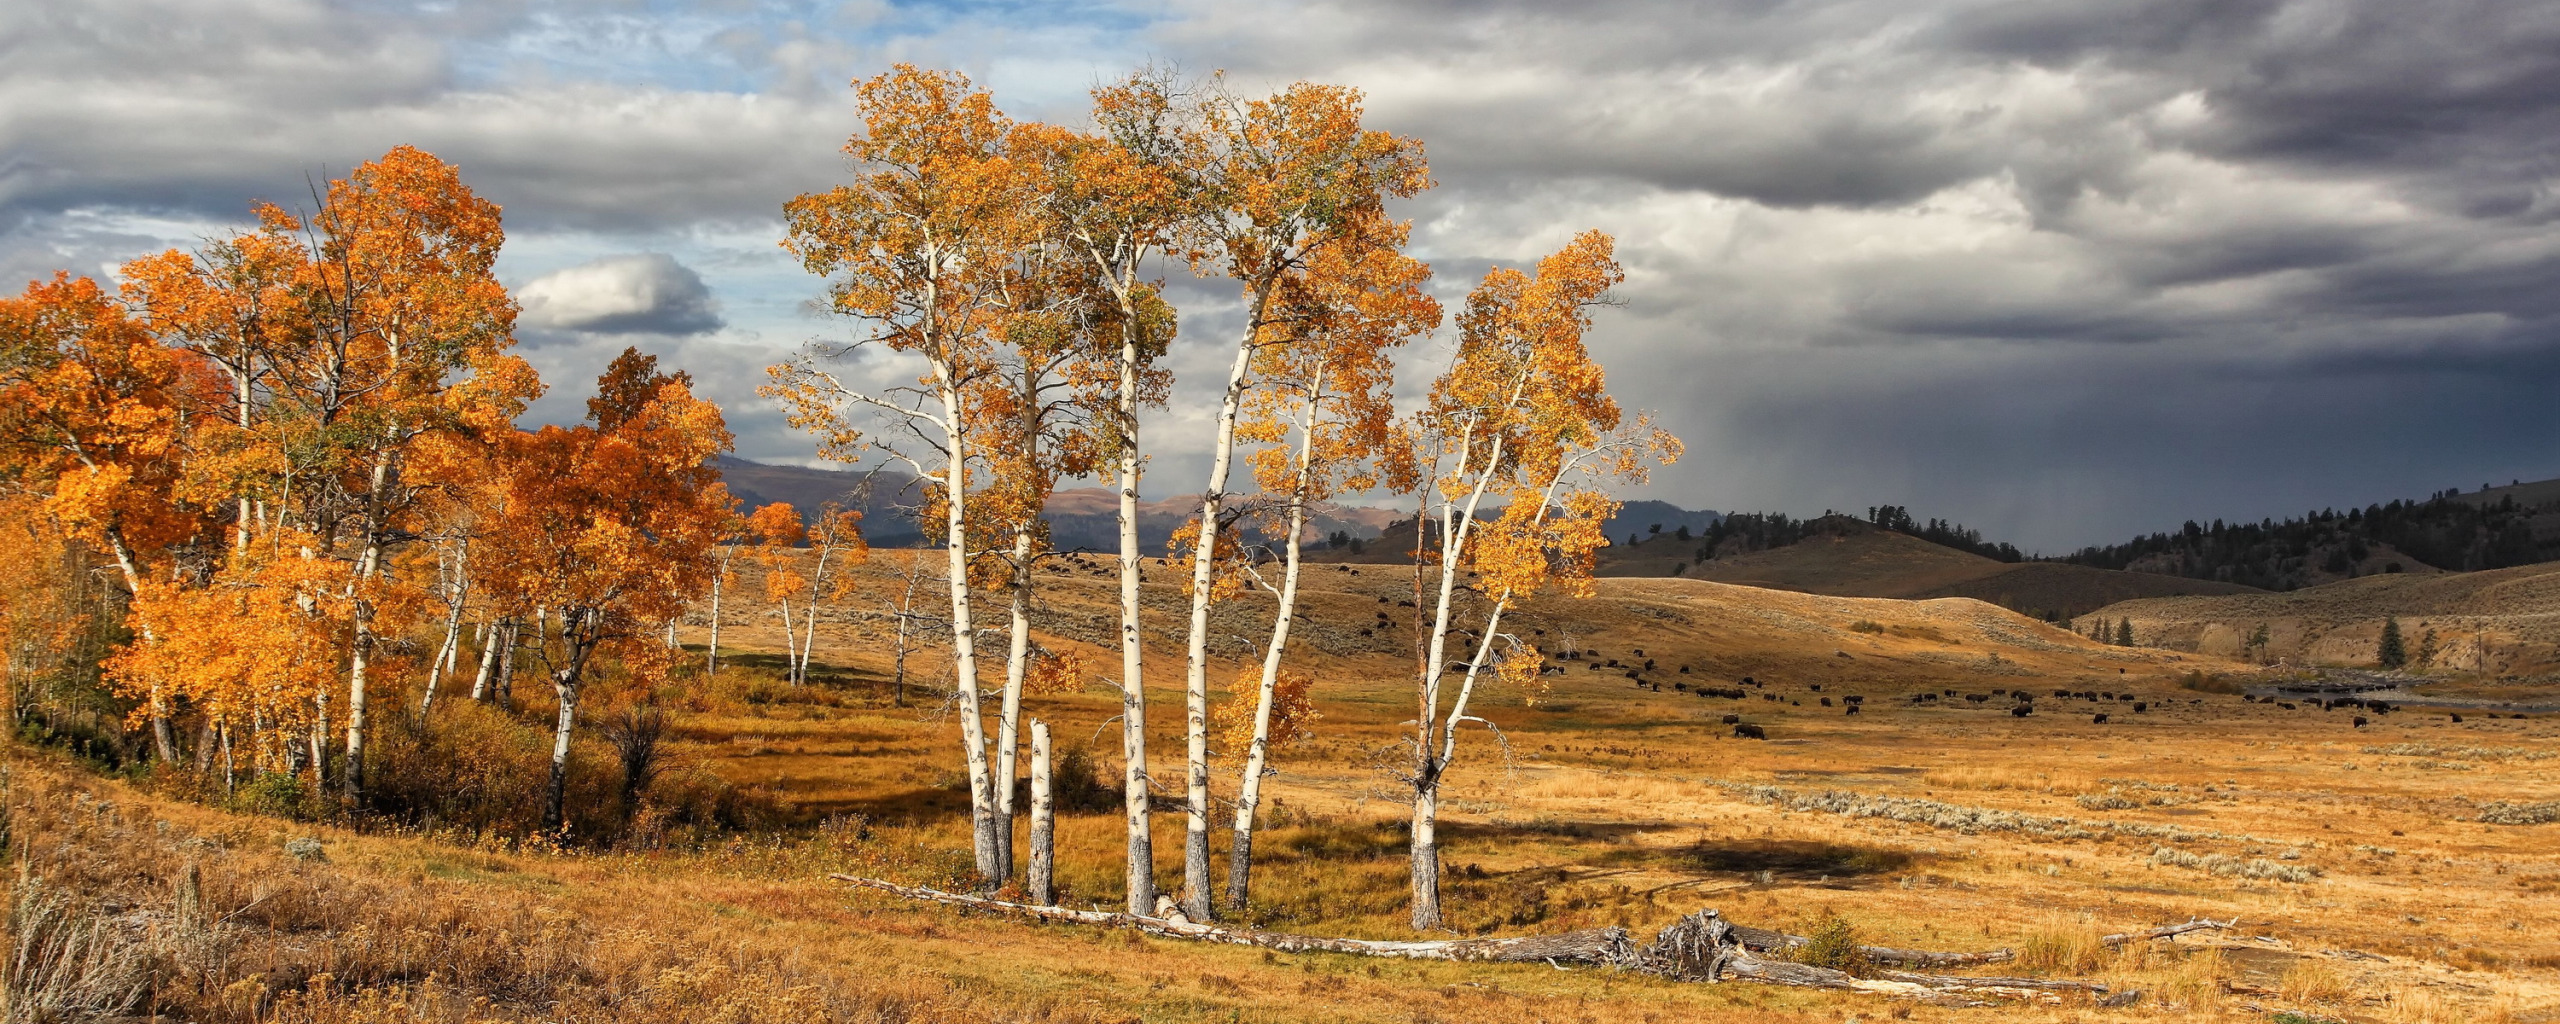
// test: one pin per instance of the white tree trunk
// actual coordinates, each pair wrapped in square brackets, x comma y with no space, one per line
[1133,697]
[1044,858]
[711,659]
[443,664]
[1249,788]
[488,661]
[1009,715]
[1197,892]
[964,642]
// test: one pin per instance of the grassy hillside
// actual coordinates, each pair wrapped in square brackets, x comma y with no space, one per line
[2499,624]
[1856,560]
[1937,823]
[1864,563]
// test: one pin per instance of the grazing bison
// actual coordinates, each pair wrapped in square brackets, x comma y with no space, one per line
[2098,719]
[1816,687]
[2062,693]
[2457,719]
[2359,721]
[1748,731]
[1854,699]
[1684,670]
[1826,702]
[1977,697]
[2141,706]
[1731,719]
[1853,709]
[2022,710]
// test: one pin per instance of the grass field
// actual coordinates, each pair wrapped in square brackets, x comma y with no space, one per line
[2365,886]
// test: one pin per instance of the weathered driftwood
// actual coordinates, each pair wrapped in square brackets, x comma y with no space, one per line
[1700,947]
[1705,947]
[1591,946]
[1768,941]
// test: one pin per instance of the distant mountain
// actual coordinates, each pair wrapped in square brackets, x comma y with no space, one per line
[1084,518]
[883,497]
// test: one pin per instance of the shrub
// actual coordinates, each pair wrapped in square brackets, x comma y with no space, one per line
[2227,866]
[2201,681]
[1835,944]
[2501,812]
[1866,626]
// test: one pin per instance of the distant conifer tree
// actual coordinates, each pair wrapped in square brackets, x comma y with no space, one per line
[2124,633]
[2393,653]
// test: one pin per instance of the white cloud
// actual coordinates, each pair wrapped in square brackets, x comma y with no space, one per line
[642,293]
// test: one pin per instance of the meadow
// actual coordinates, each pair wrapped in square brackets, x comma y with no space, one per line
[2364,880]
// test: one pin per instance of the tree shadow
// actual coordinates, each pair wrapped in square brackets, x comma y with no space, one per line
[1775,858]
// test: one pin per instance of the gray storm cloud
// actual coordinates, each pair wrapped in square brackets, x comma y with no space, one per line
[642,293]
[2061,270]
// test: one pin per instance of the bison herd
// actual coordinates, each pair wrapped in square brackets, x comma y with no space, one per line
[2018,703]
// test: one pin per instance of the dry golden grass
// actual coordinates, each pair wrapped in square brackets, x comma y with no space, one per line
[1945,824]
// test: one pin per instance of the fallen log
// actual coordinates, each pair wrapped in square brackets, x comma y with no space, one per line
[1700,947]
[1705,947]
[1589,946]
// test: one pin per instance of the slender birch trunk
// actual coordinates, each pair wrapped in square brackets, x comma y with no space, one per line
[1009,715]
[964,641]
[711,659]
[488,661]
[790,646]
[1428,762]
[163,745]
[1198,896]
[360,658]
[564,683]
[507,666]
[1135,800]
[443,665]
[1044,857]
[1249,788]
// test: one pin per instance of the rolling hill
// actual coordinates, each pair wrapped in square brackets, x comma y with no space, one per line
[1848,557]
[2499,623]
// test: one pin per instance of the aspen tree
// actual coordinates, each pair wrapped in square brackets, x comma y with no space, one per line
[611,526]
[1118,195]
[1520,418]
[1280,179]
[93,418]
[916,249]
[1322,413]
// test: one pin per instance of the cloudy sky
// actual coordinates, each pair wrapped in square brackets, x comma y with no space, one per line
[2063,271]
